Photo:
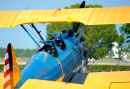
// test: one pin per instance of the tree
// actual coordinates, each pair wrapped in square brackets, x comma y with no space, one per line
[121,48]
[99,39]
[125,31]
[125,28]
[2,52]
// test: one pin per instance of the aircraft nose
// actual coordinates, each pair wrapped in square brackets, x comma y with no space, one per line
[38,67]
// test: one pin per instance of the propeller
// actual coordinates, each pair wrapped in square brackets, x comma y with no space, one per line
[82,4]
[76,25]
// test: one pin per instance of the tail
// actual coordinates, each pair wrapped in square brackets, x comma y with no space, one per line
[11,70]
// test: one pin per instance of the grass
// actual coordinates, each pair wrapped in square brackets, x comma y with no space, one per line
[2,68]
[107,68]
[90,68]
[18,59]
[105,60]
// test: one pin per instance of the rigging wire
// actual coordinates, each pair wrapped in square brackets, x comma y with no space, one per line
[35,36]
[34,33]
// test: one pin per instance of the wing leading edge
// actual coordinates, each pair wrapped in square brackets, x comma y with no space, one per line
[87,16]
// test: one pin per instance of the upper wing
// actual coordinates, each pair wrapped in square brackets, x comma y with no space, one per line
[1,80]
[87,16]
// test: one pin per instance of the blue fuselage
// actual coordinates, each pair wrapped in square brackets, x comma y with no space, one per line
[44,66]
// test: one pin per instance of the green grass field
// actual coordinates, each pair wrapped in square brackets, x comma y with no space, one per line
[105,60]
[90,68]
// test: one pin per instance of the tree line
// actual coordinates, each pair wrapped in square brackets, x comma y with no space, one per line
[24,53]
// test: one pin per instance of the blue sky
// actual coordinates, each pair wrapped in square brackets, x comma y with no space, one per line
[19,38]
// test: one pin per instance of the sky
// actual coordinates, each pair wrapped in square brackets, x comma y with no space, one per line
[19,38]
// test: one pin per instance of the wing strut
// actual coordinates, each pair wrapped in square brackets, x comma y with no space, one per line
[31,36]
[79,36]
[38,32]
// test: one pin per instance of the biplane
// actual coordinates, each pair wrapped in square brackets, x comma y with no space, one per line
[53,65]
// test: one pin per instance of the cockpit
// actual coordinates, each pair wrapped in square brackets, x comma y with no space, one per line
[60,43]
[50,48]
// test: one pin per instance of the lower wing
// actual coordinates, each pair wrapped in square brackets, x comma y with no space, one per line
[95,80]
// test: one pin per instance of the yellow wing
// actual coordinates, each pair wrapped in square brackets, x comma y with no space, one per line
[44,84]
[109,80]
[1,80]
[87,16]
[96,80]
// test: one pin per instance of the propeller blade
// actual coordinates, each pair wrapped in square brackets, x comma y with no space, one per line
[76,25]
[82,4]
